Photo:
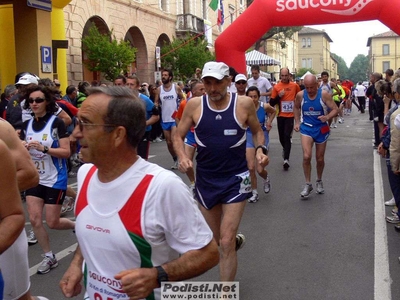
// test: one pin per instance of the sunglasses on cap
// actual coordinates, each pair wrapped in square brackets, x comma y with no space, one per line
[37,100]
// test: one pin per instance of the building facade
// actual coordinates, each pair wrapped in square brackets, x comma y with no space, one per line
[384,52]
[286,51]
[146,24]
[314,51]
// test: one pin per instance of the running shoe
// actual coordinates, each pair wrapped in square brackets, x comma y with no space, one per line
[253,198]
[47,264]
[286,164]
[175,165]
[66,206]
[71,204]
[341,120]
[32,240]
[333,125]
[267,185]
[240,241]
[390,202]
[306,191]
[320,187]
[158,140]
[393,219]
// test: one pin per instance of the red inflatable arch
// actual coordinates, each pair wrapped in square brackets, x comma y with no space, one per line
[262,15]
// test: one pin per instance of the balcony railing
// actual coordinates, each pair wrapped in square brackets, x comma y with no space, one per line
[188,23]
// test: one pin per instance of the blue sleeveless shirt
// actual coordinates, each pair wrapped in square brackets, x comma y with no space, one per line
[312,109]
[221,140]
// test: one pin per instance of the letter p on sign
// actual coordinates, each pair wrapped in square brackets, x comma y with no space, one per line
[46,59]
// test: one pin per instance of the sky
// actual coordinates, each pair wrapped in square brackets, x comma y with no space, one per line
[350,39]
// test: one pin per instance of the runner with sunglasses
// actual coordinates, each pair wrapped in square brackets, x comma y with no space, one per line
[47,141]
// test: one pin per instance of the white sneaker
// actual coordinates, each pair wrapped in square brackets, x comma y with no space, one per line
[158,140]
[341,120]
[253,198]
[267,185]
[320,187]
[333,125]
[390,202]
[306,191]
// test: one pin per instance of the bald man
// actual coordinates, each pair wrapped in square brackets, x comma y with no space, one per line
[311,104]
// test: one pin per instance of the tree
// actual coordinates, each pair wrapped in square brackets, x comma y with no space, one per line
[281,34]
[343,70]
[303,71]
[359,68]
[107,55]
[183,56]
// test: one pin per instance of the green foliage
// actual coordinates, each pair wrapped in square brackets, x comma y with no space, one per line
[303,71]
[359,69]
[107,55]
[278,33]
[343,70]
[183,56]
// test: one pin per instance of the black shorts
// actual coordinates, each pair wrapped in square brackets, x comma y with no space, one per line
[48,194]
[144,146]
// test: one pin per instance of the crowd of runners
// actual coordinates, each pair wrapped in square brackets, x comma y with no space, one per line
[155,227]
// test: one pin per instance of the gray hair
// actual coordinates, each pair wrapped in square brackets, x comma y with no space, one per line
[125,109]
[396,86]
[9,89]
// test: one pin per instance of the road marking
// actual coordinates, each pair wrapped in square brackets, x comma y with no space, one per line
[60,255]
[382,278]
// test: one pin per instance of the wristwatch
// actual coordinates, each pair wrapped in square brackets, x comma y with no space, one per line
[162,275]
[45,149]
[264,149]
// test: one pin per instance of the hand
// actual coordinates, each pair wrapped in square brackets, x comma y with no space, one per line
[185,164]
[323,118]
[262,159]
[281,93]
[296,127]
[70,283]
[381,150]
[36,145]
[269,127]
[138,283]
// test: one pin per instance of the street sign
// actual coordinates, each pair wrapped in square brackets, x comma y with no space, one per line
[40,4]
[157,76]
[158,52]
[46,59]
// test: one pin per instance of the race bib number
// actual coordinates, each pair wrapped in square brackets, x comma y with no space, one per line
[40,166]
[245,184]
[287,106]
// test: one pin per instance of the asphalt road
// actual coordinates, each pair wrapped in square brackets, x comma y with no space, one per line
[331,246]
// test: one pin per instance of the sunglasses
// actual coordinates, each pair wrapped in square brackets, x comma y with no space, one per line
[241,82]
[82,124]
[37,100]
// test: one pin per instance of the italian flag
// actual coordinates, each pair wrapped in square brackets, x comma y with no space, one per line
[214,4]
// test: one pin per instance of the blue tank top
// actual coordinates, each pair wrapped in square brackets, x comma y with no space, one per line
[221,140]
[260,116]
[312,109]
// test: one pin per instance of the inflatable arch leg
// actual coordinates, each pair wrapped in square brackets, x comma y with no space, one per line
[262,15]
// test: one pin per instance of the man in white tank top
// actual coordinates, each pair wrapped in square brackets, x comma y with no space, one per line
[137,224]
[168,97]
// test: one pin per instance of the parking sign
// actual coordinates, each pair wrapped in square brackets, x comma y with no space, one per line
[46,59]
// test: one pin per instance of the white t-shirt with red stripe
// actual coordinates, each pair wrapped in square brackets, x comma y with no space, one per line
[144,218]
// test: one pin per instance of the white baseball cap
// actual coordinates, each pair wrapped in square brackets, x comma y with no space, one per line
[214,69]
[27,79]
[240,77]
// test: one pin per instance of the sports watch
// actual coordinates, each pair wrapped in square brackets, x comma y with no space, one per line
[264,149]
[162,275]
